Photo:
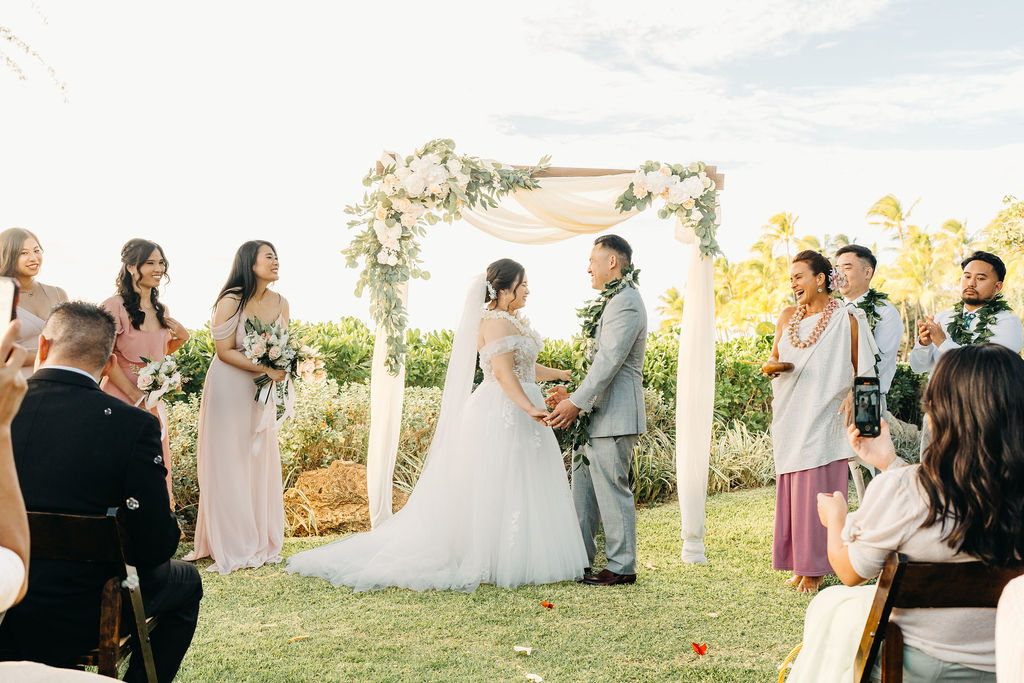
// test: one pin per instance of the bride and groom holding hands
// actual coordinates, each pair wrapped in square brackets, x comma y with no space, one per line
[492,504]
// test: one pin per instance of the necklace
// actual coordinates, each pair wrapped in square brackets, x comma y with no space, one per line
[869,304]
[958,326]
[799,314]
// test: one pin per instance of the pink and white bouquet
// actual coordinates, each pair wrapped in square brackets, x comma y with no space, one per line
[160,379]
[269,345]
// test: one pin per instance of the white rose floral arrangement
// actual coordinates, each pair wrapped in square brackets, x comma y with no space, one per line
[689,194]
[406,195]
[159,379]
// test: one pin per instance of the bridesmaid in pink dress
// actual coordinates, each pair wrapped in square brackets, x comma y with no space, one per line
[144,329]
[241,508]
[21,257]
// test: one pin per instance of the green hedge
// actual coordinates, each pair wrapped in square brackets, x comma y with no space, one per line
[742,393]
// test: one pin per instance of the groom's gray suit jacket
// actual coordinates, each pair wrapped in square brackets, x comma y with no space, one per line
[613,389]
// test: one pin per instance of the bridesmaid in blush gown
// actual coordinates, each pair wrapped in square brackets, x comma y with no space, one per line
[21,257]
[241,508]
[144,330]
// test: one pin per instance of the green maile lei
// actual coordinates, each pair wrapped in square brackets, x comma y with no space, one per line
[869,304]
[958,329]
[590,315]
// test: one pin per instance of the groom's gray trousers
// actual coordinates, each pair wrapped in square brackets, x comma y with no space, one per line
[601,493]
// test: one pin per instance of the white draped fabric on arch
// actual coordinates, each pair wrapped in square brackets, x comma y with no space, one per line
[564,207]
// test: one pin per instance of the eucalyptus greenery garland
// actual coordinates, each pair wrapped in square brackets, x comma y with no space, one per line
[408,194]
[959,331]
[590,315]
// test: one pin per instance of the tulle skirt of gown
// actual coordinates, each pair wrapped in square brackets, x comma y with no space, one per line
[241,507]
[492,507]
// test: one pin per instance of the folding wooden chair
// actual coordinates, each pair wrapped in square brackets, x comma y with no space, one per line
[921,585]
[99,539]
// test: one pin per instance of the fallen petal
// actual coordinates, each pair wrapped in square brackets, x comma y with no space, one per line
[525,650]
[537,678]
[292,640]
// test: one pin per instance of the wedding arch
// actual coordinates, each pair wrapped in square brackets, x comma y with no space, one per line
[532,205]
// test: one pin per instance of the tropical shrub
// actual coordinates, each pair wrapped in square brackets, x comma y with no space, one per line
[742,393]
[346,347]
[741,458]
[194,360]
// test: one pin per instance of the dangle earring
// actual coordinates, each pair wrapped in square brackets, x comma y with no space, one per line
[820,290]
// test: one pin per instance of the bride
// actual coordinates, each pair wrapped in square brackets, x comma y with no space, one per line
[492,504]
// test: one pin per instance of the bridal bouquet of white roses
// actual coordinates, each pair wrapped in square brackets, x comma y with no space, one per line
[159,379]
[270,345]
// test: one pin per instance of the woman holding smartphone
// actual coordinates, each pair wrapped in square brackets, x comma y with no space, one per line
[21,257]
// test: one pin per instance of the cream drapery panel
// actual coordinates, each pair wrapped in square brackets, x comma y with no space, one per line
[562,208]
[386,393]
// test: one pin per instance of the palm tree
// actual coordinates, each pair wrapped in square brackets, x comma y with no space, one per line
[955,239]
[671,309]
[891,215]
[781,228]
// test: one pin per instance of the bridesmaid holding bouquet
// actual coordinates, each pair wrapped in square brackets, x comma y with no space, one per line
[241,508]
[21,257]
[145,330]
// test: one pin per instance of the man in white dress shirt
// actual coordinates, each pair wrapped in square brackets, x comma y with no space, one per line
[858,264]
[981,316]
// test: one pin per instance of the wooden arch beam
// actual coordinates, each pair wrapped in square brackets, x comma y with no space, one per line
[570,172]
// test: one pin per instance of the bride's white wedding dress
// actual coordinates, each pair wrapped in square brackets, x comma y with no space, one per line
[492,504]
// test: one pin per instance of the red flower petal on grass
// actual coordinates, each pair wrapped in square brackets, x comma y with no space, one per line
[701,649]
[549,605]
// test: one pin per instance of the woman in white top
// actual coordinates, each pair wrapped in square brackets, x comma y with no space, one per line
[963,503]
[1009,627]
[21,258]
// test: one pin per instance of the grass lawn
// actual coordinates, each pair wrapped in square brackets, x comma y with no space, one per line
[266,625]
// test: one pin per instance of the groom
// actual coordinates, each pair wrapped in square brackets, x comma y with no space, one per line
[613,393]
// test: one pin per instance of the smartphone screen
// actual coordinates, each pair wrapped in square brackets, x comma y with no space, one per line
[8,301]
[867,400]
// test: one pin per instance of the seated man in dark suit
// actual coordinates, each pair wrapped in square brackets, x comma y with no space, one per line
[79,450]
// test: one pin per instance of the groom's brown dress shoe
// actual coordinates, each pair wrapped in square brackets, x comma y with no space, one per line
[609,578]
[586,575]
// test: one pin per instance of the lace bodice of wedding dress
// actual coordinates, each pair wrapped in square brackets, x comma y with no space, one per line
[524,346]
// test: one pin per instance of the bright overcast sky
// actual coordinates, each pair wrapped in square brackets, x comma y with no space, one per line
[203,124]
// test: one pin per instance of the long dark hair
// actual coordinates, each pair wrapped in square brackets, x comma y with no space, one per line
[242,281]
[12,240]
[973,470]
[136,252]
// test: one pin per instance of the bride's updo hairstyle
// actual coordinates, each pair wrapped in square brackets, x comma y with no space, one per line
[503,274]
[818,265]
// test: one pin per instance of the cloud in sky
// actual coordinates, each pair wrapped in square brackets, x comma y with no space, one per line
[210,123]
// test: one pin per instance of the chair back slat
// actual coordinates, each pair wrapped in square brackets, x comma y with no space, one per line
[78,538]
[952,585]
[926,585]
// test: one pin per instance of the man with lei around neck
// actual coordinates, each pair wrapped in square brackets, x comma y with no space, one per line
[612,393]
[858,264]
[981,316]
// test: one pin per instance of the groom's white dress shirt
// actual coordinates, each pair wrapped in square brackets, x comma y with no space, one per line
[888,334]
[1006,331]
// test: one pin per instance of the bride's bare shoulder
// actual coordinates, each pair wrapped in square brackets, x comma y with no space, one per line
[496,328]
